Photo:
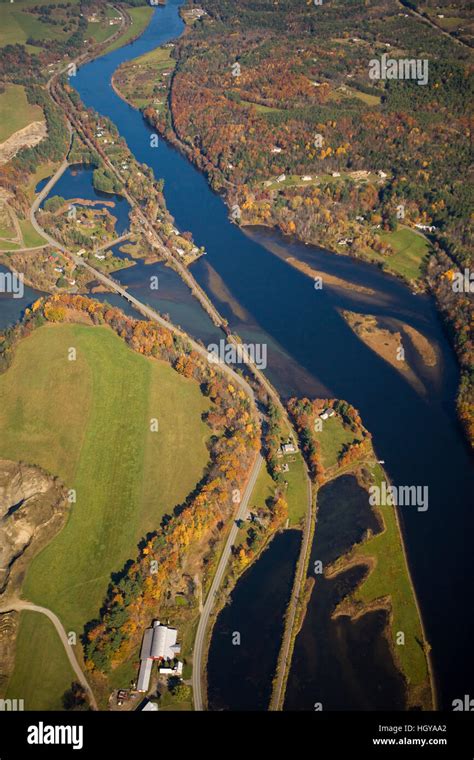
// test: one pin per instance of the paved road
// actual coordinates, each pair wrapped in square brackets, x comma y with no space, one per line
[284,659]
[19,605]
[110,243]
[200,641]
[25,250]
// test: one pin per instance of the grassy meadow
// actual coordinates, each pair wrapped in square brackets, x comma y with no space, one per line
[17,25]
[16,112]
[88,422]
[332,437]
[410,250]
[390,578]
[42,671]
[141,17]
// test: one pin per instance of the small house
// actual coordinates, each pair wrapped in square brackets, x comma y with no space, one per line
[326,413]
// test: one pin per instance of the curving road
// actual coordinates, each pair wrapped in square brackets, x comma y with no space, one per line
[18,605]
[200,640]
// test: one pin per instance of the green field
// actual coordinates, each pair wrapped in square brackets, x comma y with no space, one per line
[138,78]
[297,493]
[390,578]
[5,245]
[16,112]
[17,25]
[410,250]
[260,108]
[264,489]
[100,31]
[351,92]
[160,58]
[141,17]
[31,238]
[42,671]
[88,421]
[332,438]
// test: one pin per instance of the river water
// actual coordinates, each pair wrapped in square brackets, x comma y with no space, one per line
[312,351]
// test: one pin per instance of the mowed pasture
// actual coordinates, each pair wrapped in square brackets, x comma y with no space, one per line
[140,18]
[88,422]
[42,670]
[332,438]
[410,250]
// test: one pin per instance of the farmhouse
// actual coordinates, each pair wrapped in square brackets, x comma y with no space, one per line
[176,670]
[426,227]
[288,448]
[326,413]
[159,643]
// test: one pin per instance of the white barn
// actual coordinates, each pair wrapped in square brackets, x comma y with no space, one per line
[159,643]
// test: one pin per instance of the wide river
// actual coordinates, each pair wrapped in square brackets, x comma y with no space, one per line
[312,351]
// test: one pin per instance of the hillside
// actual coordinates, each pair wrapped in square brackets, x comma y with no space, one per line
[88,421]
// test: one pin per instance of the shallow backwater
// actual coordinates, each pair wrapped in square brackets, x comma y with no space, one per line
[340,663]
[76,182]
[241,668]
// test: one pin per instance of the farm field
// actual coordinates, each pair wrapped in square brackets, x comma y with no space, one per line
[297,493]
[31,238]
[410,250]
[17,113]
[42,679]
[17,25]
[100,31]
[137,80]
[332,437]
[264,489]
[91,427]
[140,19]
